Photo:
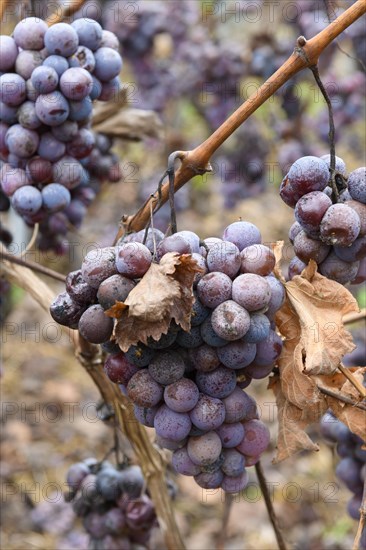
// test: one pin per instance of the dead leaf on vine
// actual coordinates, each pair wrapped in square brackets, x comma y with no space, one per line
[277,249]
[163,294]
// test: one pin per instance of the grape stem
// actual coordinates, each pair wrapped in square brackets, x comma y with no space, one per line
[197,161]
[355,383]
[362,522]
[222,535]
[32,265]
[3,6]
[354,317]
[341,397]
[63,11]
[32,241]
[269,505]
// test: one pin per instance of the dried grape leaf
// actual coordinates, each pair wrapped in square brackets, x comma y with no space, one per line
[128,123]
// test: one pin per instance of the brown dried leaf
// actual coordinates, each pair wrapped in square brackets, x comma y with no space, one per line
[116,310]
[128,123]
[348,388]
[277,249]
[320,305]
[163,294]
[353,417]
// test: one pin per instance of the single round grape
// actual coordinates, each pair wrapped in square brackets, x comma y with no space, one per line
[52,109]
[269,350]
[340,225]
[146,415]
[307,248]
[8,114]
[287,193]
[140,514]
[9,52]
[89,32]
[169,444]
[29,33]
[61,39]
[336,269]
[140,355]
[258,259]
[204,358]
[230,321]
[340,165]
[172,425]
[353,253]
[199,312]
[132,481]
[115,288]
[251,291]
[55,197]
[308,174]
[214,289]
[96,89]
[75,475]
[65,311]
[208,414]
[310,209]
[98,265]
[256,438]
[95,326]
[353,507]
[118,369]
[143,390]
[83,58]
[68,171]
[204,449]
[27,200]
[237,354]
[56,62]
[259,328]
[211,480]
[108,64]
[357,185]
[191,339]
[50,148]
[209,336]
[224,257]
[75,83]
[182,395]
[218,383]
[277,295]
[115,521]
[80,111]
[44,79]
[109,483]
[109,40]
[191,238]
[231,435]
[182,464]
[27,116]
[360,209]
[21,141]
[174,243]
[234,463]
[167,367]
[242,234]
[360,276]
[294,230]
[201,262]
[257,372]
[235,484]
[12,179]
[133,260]
[239,406]
[296,267]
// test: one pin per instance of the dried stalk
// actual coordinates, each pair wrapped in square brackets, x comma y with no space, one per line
[355,383]
[354,317]
[362,522]
[66,11]
[197,161]
[3,6]
[10,258]
[341,397]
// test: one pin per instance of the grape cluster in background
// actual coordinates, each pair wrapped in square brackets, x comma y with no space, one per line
[52,163]
[331,230]
[189,385]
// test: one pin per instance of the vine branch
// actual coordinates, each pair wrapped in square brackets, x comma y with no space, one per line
[197,161]
[341,397]
[31,265]
[355,383]
[354,317]
[270,510]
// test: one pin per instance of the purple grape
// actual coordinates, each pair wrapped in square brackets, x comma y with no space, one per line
[8,114]
[169,444]
[27,116]
[12,179]
[21,141]
[83,58]
[174,243]
[182,464]
[251,291]
[61,39]
[78,289]
[29,33]
[209,336]
[204,449]
[308,174]
[199,312]
[361,211]
[95,326]
[55,197]
[52,109]
[268,350]
[191,339]
[108,482]
[110,90]
[237,355]
[224,257]
[218,383]
[277,296]
[242,234]
[115,288]
[214,289]
[133,260]
[353,507]
[310,210]
[235,484]
[108,64]
[231,435]
[146,415]
[75,475]
[167,367]
[340,165]
[109,40]
[357,185]
[27,61]
[240,406]
[204,358]
[140,355]
[259,328]
[44,79]
[89,32]
[94,524]
[76,83]
[132,481]
[98,265]
[294,230]
[172,425]
[68,171]
[336,269]
[96,89]
[348,471]
[353,253]
[182,395]
[256,438]
[208,414]
[230,321]
[140,513]
[234,463]
[307,248]
[56,62]
[119,369]
[257,372]
[210,480]
[65,311]
[340,225]
[9,52]
[296,267]
[143,390]
[50,148]
[115,521]
[27,200]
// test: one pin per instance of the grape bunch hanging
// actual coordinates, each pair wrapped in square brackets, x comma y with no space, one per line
[330,228]
[188,384]
[51,161]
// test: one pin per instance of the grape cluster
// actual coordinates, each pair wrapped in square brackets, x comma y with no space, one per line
[50,77]
[188,385]
[351,469]
[113,504]
[330,230]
